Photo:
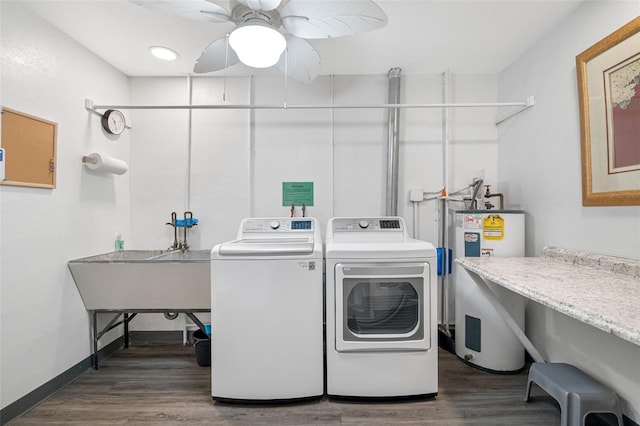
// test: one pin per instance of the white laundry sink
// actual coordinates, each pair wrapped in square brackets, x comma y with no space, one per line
[144,279]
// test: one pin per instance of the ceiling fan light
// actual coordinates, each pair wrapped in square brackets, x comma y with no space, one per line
[257,45]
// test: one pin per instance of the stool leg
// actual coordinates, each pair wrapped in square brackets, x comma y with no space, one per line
[572,411]
[528,390]
[564,416]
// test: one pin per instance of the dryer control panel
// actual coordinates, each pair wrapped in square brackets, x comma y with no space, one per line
[391,224]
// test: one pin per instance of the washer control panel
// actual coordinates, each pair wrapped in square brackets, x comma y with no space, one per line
[278,225]
[368,224]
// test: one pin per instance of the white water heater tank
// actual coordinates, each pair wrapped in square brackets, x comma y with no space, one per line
[482,337]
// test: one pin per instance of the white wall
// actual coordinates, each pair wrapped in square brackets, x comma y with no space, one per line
[539,169]
[539,154]
[239,158]
[44,324]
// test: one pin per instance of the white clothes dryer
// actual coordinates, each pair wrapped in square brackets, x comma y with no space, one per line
[381,325]
[267,312]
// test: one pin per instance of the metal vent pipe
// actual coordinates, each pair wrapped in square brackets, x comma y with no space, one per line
[391,208]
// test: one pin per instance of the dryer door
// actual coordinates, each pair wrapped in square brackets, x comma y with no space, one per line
[382,306]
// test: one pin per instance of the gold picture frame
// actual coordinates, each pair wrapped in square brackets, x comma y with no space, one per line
[609,99]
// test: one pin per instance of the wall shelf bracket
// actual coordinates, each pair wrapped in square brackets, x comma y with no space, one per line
[89,105]
[529,102]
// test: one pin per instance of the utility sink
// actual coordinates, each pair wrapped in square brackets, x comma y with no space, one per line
[144,279]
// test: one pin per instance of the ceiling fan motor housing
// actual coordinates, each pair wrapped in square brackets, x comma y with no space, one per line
[241,14]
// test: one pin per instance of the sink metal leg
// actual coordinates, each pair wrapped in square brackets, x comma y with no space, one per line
[94,353]
[127,320]
[126,330]
[196,321]
[97,335]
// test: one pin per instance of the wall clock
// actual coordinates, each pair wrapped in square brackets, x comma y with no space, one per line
[113,121]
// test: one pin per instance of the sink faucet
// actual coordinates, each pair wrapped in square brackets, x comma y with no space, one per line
[174,223]
[188,223]
[488,194]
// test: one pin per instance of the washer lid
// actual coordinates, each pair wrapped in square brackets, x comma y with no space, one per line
[267,247]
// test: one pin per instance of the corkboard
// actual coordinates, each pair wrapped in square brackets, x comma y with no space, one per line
[30,149]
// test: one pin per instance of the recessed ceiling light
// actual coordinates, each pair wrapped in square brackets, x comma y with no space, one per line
[163,53]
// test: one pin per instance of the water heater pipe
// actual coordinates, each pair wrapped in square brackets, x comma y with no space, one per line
[187,192]
[392,144]
[446,116]
[444,261]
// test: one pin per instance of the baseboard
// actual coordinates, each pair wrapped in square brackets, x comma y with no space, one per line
[164,336]
[43,392]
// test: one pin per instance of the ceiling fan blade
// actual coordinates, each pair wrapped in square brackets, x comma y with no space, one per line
[265,5]
[331,18]
[217,56]
[300,61]
[198,10]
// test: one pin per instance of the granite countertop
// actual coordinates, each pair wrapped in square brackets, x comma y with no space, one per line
[601,291]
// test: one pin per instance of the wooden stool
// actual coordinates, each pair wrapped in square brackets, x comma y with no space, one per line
[577,393]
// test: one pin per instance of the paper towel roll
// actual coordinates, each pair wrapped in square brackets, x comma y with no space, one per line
[103,163]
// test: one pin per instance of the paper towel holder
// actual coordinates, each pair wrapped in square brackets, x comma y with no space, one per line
[88,159]
[100,163]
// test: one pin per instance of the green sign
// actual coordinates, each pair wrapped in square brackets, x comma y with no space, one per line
[297,193]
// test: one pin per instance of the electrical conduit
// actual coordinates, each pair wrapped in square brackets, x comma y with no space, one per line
[392,144]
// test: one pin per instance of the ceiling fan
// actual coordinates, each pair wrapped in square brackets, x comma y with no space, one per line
[257,41]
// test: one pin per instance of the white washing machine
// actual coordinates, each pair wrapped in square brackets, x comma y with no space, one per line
[381,326]
[267,312]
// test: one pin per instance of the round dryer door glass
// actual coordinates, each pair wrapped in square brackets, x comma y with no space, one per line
[382,308]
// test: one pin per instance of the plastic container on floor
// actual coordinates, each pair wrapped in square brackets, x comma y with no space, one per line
[203,348]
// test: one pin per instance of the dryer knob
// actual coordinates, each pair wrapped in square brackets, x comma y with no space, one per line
[275,224]
[363,224]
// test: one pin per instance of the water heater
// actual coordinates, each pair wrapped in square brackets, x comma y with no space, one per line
[482,337]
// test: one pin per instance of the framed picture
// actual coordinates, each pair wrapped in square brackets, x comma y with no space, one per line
[609,95]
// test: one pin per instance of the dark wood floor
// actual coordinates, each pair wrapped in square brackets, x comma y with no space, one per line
[154,384]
